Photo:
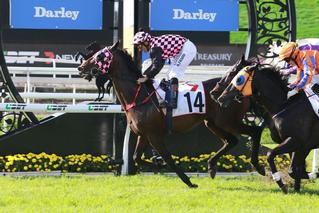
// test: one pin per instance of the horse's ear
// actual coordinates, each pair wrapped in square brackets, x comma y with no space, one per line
[253,67]
[115,46]
[242,57]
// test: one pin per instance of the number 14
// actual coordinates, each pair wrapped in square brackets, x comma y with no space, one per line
[198,102]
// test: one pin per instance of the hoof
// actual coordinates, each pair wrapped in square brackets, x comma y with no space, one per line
[284,189]
[212,172]
[193,186]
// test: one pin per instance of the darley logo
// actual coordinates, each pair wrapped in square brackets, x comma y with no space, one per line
[40,12]
[200,15]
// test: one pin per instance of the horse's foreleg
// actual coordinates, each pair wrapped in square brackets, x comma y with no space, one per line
[99,93]
[158,143]
[103,92]
[297,170]
[229,142]
[139,150]
[255,134]
[289,145]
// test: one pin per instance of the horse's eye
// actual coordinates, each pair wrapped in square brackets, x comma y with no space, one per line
[240,80]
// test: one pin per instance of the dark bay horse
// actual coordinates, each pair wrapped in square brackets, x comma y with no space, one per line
[146,119]
[295,121]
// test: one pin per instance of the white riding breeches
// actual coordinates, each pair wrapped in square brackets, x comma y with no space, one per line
[180,62]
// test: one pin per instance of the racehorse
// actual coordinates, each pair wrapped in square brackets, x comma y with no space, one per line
[295,121]
[146,119]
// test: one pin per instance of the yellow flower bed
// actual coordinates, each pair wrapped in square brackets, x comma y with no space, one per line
[46,162]
[227,163]
[89,163]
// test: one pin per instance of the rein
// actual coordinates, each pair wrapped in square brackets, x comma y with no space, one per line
[133,104]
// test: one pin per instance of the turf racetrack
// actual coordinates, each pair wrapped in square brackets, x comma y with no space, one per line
[152,193]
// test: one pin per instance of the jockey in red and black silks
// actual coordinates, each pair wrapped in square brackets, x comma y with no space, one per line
[178,49]
[306,62]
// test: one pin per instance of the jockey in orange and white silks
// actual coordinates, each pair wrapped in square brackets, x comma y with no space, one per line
[306,62]
[178,49]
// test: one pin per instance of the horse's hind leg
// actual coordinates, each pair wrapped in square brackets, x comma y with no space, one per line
[139,150]
[289,145]
[229,142]
[158,143]
[255,134]
[297,163]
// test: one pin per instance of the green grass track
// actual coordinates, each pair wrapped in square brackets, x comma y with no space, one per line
[152,193]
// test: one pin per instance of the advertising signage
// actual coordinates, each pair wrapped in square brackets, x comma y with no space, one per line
[56,14]
[217,55]
[194,15]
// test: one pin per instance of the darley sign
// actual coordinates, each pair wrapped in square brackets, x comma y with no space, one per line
[194,15]
[56,14]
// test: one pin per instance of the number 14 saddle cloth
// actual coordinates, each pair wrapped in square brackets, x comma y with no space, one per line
[191,98]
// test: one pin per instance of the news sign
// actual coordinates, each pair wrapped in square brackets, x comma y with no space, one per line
[56,14]
[194,15]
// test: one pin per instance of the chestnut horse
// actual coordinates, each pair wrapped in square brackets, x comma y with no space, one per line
[295,121]
[146,119]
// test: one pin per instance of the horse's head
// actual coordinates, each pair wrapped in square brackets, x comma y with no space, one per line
[225,80]
[240,85]
[263,81]
[100,60]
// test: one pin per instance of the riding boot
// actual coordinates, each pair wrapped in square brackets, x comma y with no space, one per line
[174,92]
[169,113]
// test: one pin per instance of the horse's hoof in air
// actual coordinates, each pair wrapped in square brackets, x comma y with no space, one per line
[212,172]
[193,186]
[284,189]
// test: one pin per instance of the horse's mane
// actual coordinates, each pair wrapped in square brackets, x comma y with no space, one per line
[129,60]
[275,75]
[300,96]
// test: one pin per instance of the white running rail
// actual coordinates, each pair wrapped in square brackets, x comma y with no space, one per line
[78,108]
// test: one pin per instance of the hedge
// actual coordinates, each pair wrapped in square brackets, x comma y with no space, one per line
[87,163]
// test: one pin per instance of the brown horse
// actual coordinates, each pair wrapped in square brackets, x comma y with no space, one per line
[146,119]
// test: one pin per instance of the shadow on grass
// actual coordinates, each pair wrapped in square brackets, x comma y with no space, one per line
[303,191]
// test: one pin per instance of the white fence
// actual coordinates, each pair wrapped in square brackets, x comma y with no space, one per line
[78,108]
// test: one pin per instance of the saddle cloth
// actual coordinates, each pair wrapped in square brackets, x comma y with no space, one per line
[313,98]
[191,98]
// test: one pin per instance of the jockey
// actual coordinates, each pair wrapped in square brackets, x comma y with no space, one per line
[306,62]
[179,50]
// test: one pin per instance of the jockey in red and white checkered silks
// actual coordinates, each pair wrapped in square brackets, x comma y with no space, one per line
[179,50]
